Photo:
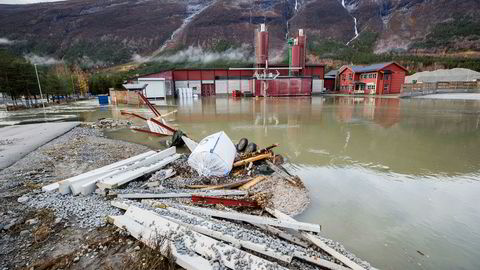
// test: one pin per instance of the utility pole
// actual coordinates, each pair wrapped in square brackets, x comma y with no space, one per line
[40,88]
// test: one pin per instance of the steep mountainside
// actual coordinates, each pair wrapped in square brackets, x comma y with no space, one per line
[111,31]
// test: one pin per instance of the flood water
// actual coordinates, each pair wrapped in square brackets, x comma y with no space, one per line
[396,181]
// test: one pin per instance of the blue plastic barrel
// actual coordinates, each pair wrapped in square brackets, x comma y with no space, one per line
[103,99]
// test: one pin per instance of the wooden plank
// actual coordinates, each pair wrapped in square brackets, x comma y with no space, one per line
[318,261]
[252,159]
[182,194]
[168,173]
[120,204]
[260,248]
[256,219]
[202,244]
[283,235]
[227,186]
[148,236]
[257,247]
[282,172]
[127,176]
[197,186]
[51,187]
[319,243]
[253,182]
[89,186]
[64,185]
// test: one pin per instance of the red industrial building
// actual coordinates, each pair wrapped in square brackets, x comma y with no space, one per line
[380,79]
[295,79]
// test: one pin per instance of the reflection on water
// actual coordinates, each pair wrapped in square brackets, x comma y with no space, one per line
[387,177]
[403,136]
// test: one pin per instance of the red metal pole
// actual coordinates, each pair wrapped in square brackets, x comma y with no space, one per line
[152,108]
[133,114]
[162,125]
[149,132]
[223,201]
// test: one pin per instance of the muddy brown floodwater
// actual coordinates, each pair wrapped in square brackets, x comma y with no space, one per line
[396,181]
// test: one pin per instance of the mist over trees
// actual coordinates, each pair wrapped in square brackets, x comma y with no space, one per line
[18,80]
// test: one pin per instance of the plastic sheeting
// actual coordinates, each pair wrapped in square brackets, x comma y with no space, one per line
[213,156]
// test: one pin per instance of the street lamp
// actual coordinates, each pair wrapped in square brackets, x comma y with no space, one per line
[40,87]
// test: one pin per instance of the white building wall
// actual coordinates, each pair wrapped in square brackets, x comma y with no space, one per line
[155,87]
[233,85]
[244,85]
[181,84]
[317,86]
[221,86]
[196,86]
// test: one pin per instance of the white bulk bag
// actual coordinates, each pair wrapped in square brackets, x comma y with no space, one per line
[213,156]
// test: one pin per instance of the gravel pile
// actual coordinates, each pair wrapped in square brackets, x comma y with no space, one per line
[249,233]
[444,75]
[108,123]
[89,211]
[288,199]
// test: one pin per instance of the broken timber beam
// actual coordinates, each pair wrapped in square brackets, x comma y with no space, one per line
[202,244]
[64,185]
[318,242]
[204,229]
[282,172]
[256,219]
[319,261]
[252,182]
[182,194]
[140,169]
[88,187]
[284,235]
[227,186]
[149,236]
[252,159]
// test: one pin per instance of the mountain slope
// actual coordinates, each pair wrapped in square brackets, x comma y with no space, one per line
[108,32]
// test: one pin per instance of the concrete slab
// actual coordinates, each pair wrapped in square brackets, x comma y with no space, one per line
[17,141]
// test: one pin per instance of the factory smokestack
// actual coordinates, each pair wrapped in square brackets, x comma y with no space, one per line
[261,46]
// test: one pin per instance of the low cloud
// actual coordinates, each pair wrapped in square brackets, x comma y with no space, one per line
[90,63]
[198,54]
[41,60]
[6,41]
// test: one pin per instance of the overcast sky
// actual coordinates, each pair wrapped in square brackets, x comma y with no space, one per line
[25,1]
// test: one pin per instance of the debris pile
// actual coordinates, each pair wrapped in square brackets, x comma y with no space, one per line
[108,123]
[220,207]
